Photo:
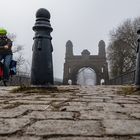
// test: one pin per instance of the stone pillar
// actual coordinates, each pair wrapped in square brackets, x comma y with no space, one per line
[101,46]
[137,75]
[68,56]
[69,49]
[42,65]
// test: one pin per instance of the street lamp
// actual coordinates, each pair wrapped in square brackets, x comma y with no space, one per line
[137,75]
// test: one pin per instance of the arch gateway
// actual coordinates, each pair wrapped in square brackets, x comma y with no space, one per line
[73,63]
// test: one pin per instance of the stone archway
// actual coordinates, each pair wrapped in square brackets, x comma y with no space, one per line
[86,76]
[75,71]
[73,63]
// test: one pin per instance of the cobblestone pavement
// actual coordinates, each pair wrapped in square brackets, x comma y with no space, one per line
[79,113]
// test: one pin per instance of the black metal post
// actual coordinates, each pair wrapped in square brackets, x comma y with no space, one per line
[42,65]
[137,75]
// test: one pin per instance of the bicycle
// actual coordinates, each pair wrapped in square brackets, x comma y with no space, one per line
[12,70]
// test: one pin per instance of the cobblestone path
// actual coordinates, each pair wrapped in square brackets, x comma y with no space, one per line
[79,113]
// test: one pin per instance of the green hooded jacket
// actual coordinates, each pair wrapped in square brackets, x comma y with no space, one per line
[4,40]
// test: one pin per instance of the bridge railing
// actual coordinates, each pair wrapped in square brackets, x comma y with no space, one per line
[126,78]
[24,78]
[21,78]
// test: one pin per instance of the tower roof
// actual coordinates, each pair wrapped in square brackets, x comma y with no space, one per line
[69,44]
[85,52]
[101,43]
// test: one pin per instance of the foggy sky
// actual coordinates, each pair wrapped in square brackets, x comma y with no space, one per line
[84,22]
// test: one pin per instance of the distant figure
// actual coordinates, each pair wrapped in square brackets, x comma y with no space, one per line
[70,82]
[102,82]
[5,53]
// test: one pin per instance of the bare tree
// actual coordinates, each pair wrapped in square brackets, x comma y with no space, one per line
[20,60]
[17,52]
[121,52]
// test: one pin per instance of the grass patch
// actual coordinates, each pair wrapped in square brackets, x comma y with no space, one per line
[27,89]
[128,90]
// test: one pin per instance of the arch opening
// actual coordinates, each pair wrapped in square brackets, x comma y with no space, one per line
[86,76]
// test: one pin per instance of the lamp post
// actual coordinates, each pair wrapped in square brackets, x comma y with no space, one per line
[137,75]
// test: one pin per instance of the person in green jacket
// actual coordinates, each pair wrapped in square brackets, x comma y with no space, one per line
[5,53]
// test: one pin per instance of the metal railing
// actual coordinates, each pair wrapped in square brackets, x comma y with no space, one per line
[21,78]
[126,78]
[24,78]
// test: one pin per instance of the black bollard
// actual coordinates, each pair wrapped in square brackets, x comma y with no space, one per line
[42,66]
[137,75]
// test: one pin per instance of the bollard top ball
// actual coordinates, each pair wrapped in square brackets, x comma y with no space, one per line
[42,12]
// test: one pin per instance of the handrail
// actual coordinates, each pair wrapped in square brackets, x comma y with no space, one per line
[126,78]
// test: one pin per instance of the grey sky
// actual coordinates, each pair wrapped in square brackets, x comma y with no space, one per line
[84,22]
